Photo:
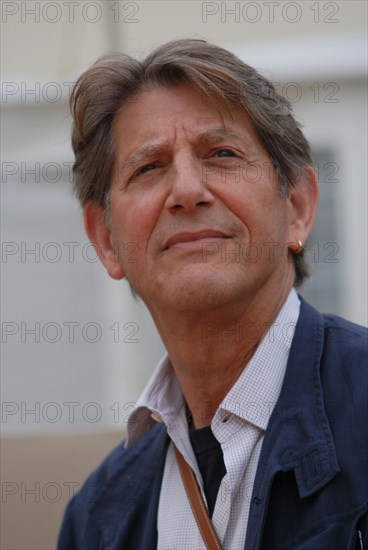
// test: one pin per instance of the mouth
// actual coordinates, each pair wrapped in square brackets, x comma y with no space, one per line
[196,238]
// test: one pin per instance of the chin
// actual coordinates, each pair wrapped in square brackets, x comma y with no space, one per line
[197,291]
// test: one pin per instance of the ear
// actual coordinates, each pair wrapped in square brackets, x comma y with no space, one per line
[99,234]
[303,201]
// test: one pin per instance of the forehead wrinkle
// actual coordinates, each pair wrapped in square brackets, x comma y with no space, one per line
[216,135]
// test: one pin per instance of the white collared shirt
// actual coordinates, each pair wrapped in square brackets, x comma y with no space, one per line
[239,425]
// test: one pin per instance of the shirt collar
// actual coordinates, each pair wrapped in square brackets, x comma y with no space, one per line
[161,401]
[252,397]
[255,393]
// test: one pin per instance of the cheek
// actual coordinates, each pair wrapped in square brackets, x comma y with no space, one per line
[263,213]
[134,221]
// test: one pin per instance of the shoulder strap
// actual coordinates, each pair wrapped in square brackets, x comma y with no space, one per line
[199,508]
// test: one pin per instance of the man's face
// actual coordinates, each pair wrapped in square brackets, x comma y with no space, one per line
[194,191]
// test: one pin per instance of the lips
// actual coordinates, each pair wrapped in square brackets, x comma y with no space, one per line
[189,236]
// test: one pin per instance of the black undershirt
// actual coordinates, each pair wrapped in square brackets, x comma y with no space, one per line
[210,461]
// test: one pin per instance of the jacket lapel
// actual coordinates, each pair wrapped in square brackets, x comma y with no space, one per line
[126,508]
[298,436]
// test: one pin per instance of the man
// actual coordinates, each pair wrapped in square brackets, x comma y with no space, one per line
[192,156]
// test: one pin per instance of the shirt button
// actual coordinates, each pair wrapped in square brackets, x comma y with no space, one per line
[257,500]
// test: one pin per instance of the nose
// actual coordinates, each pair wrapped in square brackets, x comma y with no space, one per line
[188,188]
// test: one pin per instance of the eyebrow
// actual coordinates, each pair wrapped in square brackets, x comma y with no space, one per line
[215,135]
[211,136]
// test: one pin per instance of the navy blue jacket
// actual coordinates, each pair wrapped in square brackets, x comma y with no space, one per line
[311,486]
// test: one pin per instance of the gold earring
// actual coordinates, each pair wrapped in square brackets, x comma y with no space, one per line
[300,246]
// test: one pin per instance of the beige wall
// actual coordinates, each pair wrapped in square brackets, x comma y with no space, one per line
[57,42]
[38,476]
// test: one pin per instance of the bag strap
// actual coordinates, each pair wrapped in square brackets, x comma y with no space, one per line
[199,508]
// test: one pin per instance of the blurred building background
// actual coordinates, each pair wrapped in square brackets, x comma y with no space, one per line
[76,348]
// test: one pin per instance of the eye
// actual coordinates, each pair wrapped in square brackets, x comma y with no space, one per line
[225,153]
[146,168]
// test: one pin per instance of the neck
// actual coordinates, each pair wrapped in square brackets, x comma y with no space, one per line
[210,349]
